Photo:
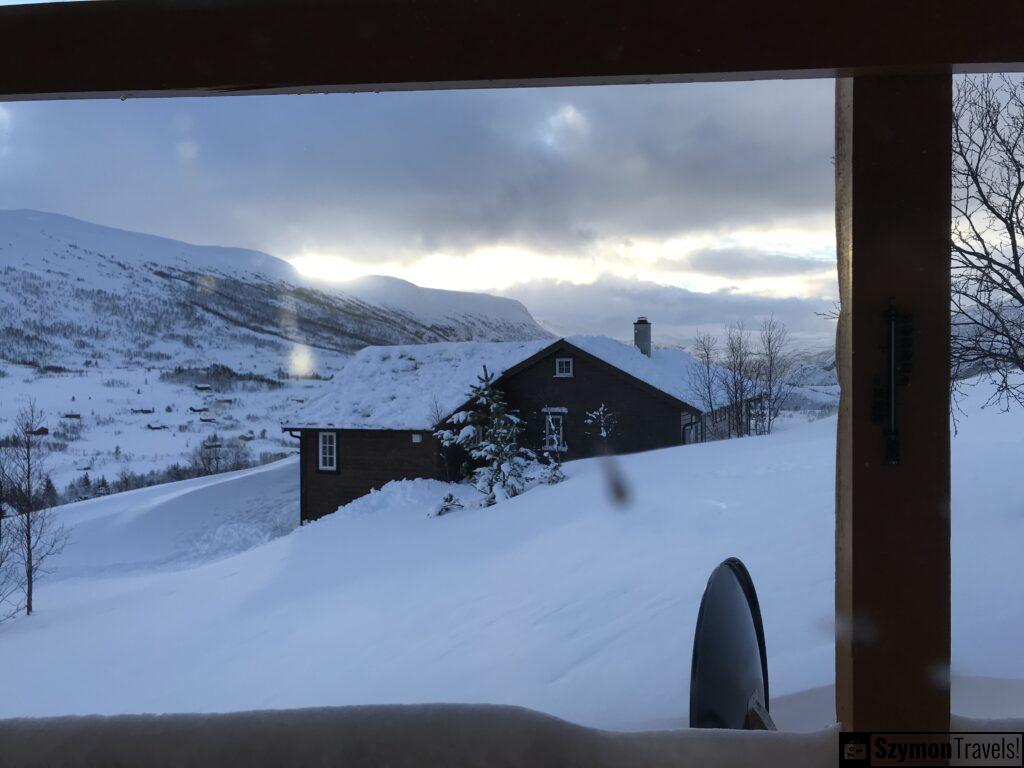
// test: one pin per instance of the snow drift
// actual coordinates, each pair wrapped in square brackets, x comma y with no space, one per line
[561,600]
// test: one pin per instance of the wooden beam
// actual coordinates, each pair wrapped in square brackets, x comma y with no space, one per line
[892,521]
[133,48]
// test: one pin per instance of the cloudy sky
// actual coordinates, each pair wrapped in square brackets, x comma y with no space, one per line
[695,204]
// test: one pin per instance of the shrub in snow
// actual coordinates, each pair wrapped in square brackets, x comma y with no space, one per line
[449,503]
[551,469]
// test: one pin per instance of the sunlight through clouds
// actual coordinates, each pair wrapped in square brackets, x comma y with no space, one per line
[781,262]
[564,128]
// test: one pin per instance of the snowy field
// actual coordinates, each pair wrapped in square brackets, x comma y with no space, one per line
[115,436]
[201,596]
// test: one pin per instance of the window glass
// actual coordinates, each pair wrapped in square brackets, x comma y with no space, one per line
[328,451]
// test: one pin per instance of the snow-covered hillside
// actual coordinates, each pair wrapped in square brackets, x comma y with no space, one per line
[94,321]
[562,599]
[73,293]
[143,420]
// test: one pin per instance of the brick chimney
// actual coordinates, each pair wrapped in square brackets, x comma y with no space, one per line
[642,335]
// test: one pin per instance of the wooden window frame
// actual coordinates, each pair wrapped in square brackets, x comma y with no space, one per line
[570,374]
[893,64]
[559,413]
[331,470]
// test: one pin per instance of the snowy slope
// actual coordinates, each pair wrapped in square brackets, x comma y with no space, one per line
[178,524]
[73,291]
[559,600]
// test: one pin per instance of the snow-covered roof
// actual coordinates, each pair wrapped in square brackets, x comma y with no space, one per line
[411,386]
[406,387]
[668,369]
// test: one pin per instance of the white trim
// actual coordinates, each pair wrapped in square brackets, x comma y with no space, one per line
[327,451]
[417,437]
[555,409]
[559,374]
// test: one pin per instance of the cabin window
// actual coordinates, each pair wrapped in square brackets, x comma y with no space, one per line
[554,429]
[563,367]
[328,461]
[417,437]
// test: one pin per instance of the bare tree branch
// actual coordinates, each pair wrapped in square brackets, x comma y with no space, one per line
[987,234]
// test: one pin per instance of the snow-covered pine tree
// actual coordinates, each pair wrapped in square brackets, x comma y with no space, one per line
[489,432]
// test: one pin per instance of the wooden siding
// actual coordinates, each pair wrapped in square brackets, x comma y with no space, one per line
[646,417]
[367,459]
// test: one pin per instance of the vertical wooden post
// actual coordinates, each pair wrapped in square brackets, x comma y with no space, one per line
[892,521]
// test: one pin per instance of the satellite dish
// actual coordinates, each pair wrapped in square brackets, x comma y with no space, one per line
[729,676]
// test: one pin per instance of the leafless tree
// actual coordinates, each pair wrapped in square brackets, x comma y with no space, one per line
[10,583]
[987,233]
[774,371]
[706,382]
[738,373]
[37,534]
[215,455]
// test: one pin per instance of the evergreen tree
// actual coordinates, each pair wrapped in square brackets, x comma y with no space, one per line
[50,497]
[489,431]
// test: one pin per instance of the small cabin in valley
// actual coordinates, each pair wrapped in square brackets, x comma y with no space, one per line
[375,422]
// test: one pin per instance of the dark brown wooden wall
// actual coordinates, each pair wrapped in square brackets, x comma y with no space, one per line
[646,419]
[367,459]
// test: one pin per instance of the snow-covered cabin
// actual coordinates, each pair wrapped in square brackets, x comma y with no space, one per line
[375,421]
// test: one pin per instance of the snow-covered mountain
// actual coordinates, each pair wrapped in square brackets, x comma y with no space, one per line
[72,292]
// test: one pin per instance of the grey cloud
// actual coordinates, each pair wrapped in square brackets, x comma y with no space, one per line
[386,176]
[744,263]
[609,306]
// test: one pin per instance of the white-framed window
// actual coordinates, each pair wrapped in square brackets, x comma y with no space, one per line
[417,437]
[328,452]
[554,429]
[563,367]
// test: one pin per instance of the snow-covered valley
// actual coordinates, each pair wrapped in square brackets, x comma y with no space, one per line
[113,330]
[202,596]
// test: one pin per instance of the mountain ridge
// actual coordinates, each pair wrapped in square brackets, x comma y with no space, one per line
[74,291]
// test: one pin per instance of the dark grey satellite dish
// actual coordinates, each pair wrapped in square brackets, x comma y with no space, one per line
[729,676]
